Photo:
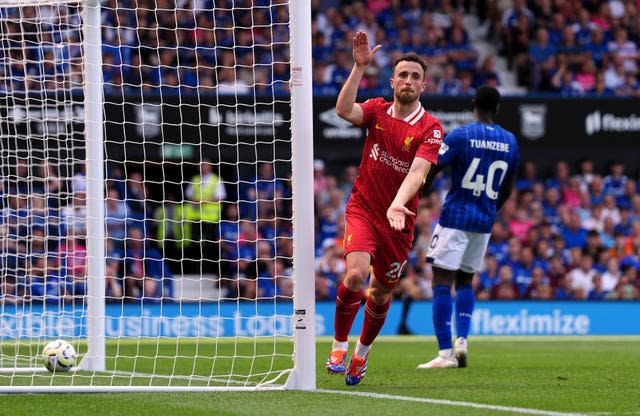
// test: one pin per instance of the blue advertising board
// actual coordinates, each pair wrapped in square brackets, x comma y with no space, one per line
[268,319]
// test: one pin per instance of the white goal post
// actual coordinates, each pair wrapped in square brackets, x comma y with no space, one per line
[157,194]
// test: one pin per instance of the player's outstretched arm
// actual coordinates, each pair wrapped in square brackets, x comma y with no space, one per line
[346,107]
[412,182]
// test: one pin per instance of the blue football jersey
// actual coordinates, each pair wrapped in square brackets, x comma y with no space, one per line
[482,157]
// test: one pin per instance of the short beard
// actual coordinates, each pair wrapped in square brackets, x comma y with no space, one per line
[404,99]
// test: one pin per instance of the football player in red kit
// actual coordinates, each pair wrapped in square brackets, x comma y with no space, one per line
[401,145]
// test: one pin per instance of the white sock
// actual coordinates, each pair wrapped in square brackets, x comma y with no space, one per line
[448,353]
[361,350]
[340,345]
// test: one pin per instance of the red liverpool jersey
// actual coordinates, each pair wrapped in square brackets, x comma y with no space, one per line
[389,150]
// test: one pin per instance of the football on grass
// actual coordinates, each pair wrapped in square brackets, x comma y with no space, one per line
[58,356]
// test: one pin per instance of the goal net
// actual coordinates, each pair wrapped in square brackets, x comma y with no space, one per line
[157,201]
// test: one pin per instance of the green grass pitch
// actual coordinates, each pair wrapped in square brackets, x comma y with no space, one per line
[528,375]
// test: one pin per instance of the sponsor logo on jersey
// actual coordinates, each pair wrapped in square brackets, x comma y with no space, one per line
[375,151]
[437,134]
[407,143]
[347,241]
[379,127]
[391,161]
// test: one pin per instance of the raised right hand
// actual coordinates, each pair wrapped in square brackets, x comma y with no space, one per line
[362,53]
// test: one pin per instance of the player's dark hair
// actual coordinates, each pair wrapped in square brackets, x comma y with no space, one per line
[411,57]
[486,100]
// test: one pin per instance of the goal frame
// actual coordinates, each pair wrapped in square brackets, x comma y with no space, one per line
[303,374]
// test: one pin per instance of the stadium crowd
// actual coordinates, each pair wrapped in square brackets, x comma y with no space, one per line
[182,47]
[565,236]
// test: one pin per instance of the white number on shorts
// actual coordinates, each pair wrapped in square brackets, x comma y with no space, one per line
[396,271]
[434,240]
[475,181]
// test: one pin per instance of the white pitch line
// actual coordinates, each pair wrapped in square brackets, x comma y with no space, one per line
[522,410]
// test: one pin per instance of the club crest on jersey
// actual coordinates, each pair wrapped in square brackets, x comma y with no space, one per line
[407,143]
[347,241]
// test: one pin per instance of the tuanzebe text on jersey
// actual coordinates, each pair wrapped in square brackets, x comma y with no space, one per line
[481,156]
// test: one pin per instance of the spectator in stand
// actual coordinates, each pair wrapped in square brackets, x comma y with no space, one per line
[582,277]
[627,288]
[321,84]
[371,86]
[498,242]
[144,268]
[136,199]
[614,183]
[564,290]
[466,84]
[594,246]
[449,84]
[319,178]
[528,176]
[116,214]
[41,216]
[561,176]
[43,279]
[597,48]
[585,173]
[539,288]
[625,49]
[434,51]
[520,224]
[573,233]
[511,26]
[575,54]
[331,269]
[586,76]
[630,87]
[625,201]
[113,285]
[338,70]
[556,270]
[487,73]
[601,89]
[565,83]
[614,73]
[610,210]
[583,28]
[205,192]
[596,190]
[551,205]
[505,289]
[74,215]
[72,262]
[571,195]
[489,277]
[611,275]
[597,292]
[461,54]
[523,273]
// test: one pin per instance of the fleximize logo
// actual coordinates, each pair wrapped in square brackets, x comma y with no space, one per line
[597,122]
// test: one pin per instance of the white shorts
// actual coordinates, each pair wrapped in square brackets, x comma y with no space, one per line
[452,249]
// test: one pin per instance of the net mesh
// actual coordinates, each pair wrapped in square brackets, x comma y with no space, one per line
[197,162]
